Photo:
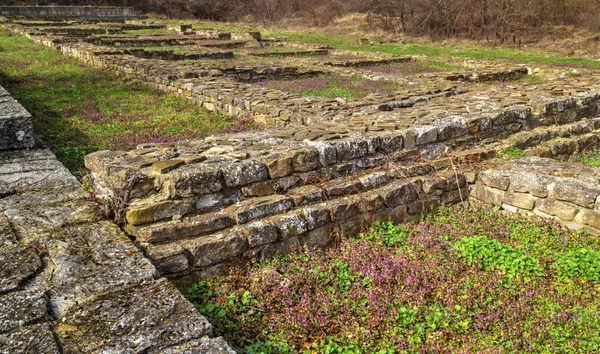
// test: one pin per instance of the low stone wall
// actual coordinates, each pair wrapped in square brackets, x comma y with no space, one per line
[88,13]
[16,128]
[566,192]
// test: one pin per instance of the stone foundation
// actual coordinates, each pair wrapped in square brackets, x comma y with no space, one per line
[58,13]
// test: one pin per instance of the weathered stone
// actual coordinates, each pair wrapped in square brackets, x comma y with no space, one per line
[342,209]
[304,160]
[193,180]
[209,250]
[423,205]
[395,215]
[533,183]
[305,195]
[204,345]
[133,320]
[317,238]
[148,212]
[571,190]
[520,200]
[260,233]
[374,180]
[350,149]
[18,265]
[342,187]
[317,215]
[166,165]
[421,135]
[391,143]
[455,196]
[258,189]
[257,208]
[400,192]
[278,164]
[495,179]
[244,172]
[487,194]
[553,207]
[37,339]
[287,246]
[189,227]
[169,258]
[291,224]
[369,201]
[327,153]
[590,217]
[350,227]
[91,259]
[7,235]
[450,128]
[22,308]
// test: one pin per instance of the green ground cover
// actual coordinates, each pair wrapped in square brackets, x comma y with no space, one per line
[457,282]
[588,157]
[78,110]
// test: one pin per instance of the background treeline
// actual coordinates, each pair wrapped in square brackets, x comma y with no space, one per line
[498,20]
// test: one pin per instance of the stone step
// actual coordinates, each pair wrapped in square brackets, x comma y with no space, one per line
[314,225]
[564,147]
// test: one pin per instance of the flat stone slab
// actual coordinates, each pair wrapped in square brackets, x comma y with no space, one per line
[37,339]
[22,308]
[92,259]
[137,319]
[199,346]
[18,264]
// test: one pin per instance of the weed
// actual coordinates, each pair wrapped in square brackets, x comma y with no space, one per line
[514,152]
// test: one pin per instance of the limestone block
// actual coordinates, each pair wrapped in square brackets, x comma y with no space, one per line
[533,183]
[152,211]
[342,208]
[16,127]
[317,215]
[244,172]
[257,208]
[553,207]
[278,164]
[188,227]
[91,259]
[400,192]
[212,249]
[259,233]
[305,195]
[287,246]
[520,200]
[291,224]
[204,345]
[134,320]
[258,189]
[374,180]
[37,339]
[395,215]
[327,152]
[195,180]
[487,194]
[342,187]
[571,190]
[391,143]
[421,135]
[168,258]
[350,149]
[424,205]
[317,238]
[305,159]
[450,128]
[497,179]
[589,217]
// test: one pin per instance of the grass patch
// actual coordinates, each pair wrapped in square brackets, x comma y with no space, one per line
[78,110]
[514,152]
[334,86]
[590,157]
[140,32]
[458,281]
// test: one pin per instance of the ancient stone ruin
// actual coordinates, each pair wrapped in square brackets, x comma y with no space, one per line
[319,169]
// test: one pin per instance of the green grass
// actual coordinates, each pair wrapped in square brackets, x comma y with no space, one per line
[78,110]
[590,158]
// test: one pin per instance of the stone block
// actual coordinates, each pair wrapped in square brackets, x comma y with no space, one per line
[204,345]
[169,258]
[260,233]
[495,179]
[18,309]
[423,205]
[244,172]
[258,189]
[317,215]
[589,217]
[533,183]
[291,224]
[571,190]
[136,319]
[278,164]
[188,227]
[317,238]
[209,250]
[16,127]
[350,149]
[327,153]
[374,180]
[553,207]
[342,187]
[150,211]
[37,339]
[305,195]
[342,209]
[194,180]
[284,247]
[520,200]
[18,265]
[257,208]
[395,215]
[305,159]
[400,192]
[487,194]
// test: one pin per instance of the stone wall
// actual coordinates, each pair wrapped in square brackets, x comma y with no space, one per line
[88,13]
[566,192]
[69,281]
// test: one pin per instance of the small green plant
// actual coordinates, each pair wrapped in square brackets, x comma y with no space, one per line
[514,151]
[387,234]
[580,263]
[491,254]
